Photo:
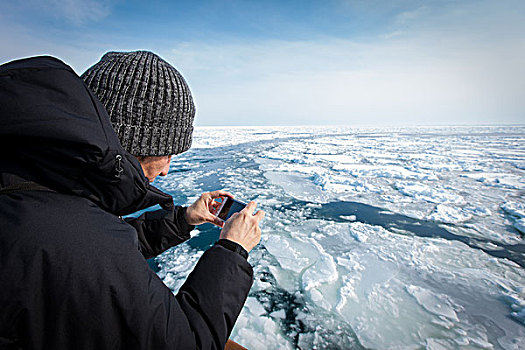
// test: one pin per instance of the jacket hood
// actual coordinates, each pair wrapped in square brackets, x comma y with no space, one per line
[55,131]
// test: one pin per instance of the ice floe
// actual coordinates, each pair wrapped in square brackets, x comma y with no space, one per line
[517,210]
[448,214]
[433,194]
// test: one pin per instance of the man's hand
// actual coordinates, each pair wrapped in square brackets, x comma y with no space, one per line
[200,212]
[243,227]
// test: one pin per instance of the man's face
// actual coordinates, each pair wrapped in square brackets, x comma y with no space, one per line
[155,166]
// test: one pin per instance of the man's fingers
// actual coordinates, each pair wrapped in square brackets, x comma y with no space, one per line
[250,207]
[212,219]
[216,221]
[219,193]
[260,215]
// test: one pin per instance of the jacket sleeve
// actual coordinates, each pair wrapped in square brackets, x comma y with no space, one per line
[160,230]
[200,316]
[213,295]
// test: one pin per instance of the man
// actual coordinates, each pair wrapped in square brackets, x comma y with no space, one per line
[72,275]
[152,111]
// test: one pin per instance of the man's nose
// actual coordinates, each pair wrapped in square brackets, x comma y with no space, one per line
[166,168]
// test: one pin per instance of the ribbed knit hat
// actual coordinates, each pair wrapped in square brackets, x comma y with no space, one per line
[148,101]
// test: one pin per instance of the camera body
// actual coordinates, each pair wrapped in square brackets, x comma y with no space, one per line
[228,207]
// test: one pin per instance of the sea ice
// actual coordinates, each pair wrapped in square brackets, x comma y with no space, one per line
[254,331]
[434,194]
[278,314]
[438,304]
[383,171]
[292,254]
[322,271]
[338,282]
[348,217]
[498,179]
[520,225]
[516,209]
[448,214]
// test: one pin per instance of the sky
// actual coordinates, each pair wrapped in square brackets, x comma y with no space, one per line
[331,62]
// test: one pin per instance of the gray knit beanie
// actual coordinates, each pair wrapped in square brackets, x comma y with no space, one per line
[148,101]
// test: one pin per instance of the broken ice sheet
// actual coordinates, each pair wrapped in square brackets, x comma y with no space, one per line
[346,281]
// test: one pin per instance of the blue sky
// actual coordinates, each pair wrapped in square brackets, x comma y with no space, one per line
[361,62]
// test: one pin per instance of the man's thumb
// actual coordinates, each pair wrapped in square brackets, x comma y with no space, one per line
[215,220]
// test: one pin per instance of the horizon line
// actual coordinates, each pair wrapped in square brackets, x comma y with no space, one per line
[364,125]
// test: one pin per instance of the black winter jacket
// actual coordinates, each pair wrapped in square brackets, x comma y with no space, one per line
[71,273]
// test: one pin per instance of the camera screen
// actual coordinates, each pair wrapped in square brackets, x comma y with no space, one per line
[230,207]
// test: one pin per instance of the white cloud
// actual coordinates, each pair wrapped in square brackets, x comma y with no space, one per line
[20,42]
[22,33]
[78,12]
[453,66]
[68,12]
[341,81]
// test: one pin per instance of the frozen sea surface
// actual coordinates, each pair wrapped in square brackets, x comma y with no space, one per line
[399,238]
